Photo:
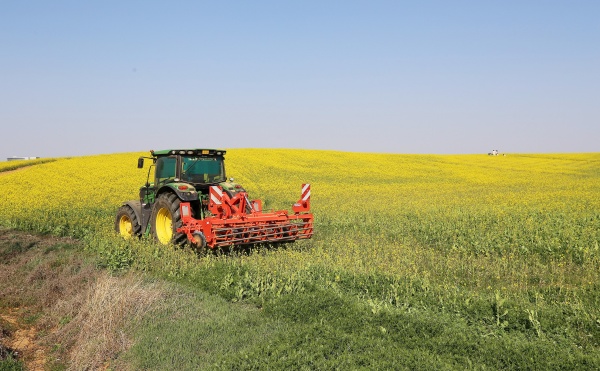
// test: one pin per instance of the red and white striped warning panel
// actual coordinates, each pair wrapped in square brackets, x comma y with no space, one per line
[305,192]
[216,195]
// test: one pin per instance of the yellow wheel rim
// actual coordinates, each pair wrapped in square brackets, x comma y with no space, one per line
[125,226]
[164,226]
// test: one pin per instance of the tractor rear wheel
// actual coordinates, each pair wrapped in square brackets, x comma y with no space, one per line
[166,218]
[126,222]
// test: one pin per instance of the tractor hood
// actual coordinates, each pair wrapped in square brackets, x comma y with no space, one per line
[232,188]
[185,191]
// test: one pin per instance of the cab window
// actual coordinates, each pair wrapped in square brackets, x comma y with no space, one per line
[165,169]
[202,170]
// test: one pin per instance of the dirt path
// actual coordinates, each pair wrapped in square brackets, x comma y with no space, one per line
[22,342]
[14,170]
[36,273]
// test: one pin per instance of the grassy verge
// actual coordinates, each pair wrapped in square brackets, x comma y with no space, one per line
[58,310]
[322,320]
[325,318]
[327,328]
[14,165]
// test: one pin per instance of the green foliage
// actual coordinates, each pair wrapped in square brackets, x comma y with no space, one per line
[113,254]
[321,329]
[195,330]
[11,364]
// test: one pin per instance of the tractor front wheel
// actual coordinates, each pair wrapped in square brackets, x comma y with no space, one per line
[126,222]
[166,218]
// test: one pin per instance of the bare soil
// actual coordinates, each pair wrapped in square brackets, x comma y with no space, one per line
[36,274]
[12,171]
[22,342]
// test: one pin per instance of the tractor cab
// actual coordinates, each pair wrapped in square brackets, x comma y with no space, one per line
[189,173]
[194,167]
[199,167]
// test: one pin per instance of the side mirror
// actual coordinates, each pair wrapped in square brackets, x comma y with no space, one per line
[140,162]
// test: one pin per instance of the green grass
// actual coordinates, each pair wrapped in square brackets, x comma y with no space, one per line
[326,329]
[11,364]
[199,331]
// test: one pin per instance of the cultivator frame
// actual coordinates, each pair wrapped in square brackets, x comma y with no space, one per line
[238,221]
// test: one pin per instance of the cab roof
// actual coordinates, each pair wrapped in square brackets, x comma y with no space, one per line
[189,152]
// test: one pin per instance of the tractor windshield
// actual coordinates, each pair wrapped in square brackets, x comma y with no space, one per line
[202,169]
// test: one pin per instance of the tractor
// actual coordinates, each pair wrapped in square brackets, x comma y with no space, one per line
[190,200]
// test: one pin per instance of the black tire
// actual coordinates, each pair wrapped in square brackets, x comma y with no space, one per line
[165,220]
[127,223]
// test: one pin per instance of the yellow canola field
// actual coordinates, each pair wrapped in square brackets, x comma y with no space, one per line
[340,180]
[445,218]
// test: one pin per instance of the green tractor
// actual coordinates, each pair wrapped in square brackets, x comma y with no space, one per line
[191,201]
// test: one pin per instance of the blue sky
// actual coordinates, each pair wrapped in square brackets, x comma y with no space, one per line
[90,77]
